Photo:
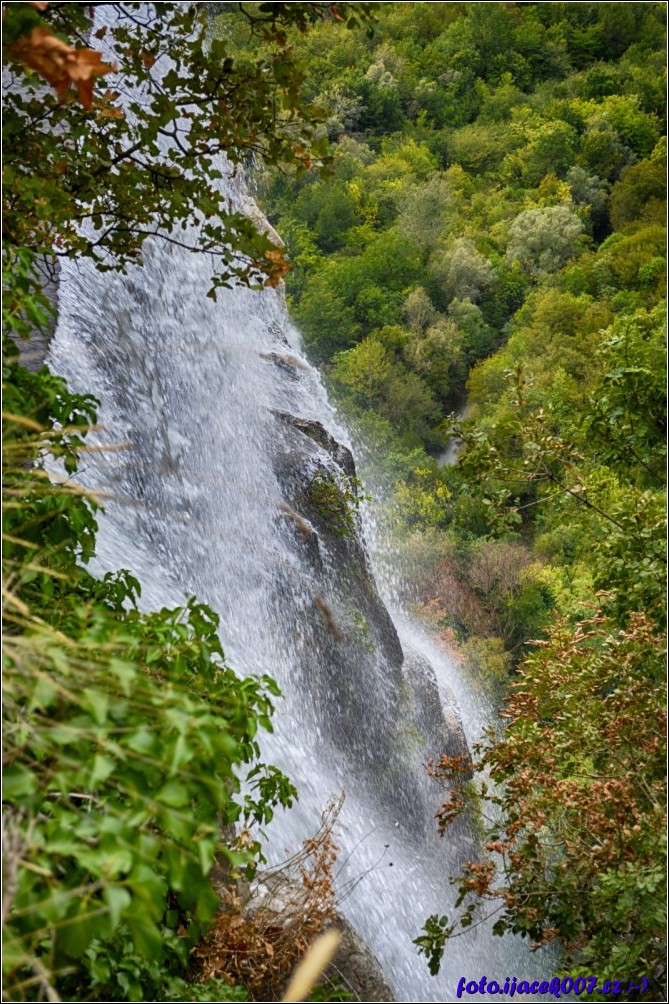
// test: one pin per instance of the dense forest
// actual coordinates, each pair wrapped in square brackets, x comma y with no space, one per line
[472,200]
[133,787]
[493,237]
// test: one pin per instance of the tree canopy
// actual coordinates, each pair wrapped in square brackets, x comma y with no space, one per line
[472,199]
[512,157]
[133,775]
[143,153]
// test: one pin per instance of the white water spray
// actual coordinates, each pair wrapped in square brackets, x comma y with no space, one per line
[193,506]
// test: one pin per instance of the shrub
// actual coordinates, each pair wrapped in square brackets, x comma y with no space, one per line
[337,498]
[543,240]
[127,738]
[572,845]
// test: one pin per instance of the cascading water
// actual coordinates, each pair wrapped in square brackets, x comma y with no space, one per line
[194,507]
[212,400]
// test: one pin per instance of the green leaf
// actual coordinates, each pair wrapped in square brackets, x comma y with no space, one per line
[145,934]
[125,672]
[18,782]
[118,900]
[174,794]
[97,701]
[74,934]
[103,767]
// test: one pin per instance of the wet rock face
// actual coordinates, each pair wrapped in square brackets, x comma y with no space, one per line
[350,650]
[341,455]
[357,968]
[349,643]
[437,720]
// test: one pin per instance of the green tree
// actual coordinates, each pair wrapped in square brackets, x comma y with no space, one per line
[542,240]
[437,357]
[364,370]
[480,148]
[628,404]
[409,404]
[328,323]
[109,176]
[577,856]
[418,309]
[640,195]
[551,147]
[425,210]
[460,271]
[477,337]
[603,152]
[373,379]
[131,748]
[591,192]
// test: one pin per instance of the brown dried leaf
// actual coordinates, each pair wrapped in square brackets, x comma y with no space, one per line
[60,64]
[111,113]
[276,266]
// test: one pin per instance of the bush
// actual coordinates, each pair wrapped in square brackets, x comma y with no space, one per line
[543,240]
[640,195]
[337,498]
[572,845]
[127,739]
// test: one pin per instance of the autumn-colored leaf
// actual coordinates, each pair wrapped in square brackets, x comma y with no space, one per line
[278,267]
[109,112]
[60,64]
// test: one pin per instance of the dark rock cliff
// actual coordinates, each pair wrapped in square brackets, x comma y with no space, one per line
[349,644]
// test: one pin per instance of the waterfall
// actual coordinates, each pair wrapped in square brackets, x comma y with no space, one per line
[195,454]
[190,424]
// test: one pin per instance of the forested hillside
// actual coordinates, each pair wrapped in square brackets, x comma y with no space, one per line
[472,197]
[134,792]
[493,234]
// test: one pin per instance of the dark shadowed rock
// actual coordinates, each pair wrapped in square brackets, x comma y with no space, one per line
[341,455]
[436,716]
[350,650]
[356,966]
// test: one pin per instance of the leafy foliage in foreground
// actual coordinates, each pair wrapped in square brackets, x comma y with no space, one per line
[128,740]
[126,736]
[97,179]
[580,779]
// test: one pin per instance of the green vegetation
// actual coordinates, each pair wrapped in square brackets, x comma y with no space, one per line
[135,172]
[133,790]
[494,232]
[490,227]
[337,498]
[126,741]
